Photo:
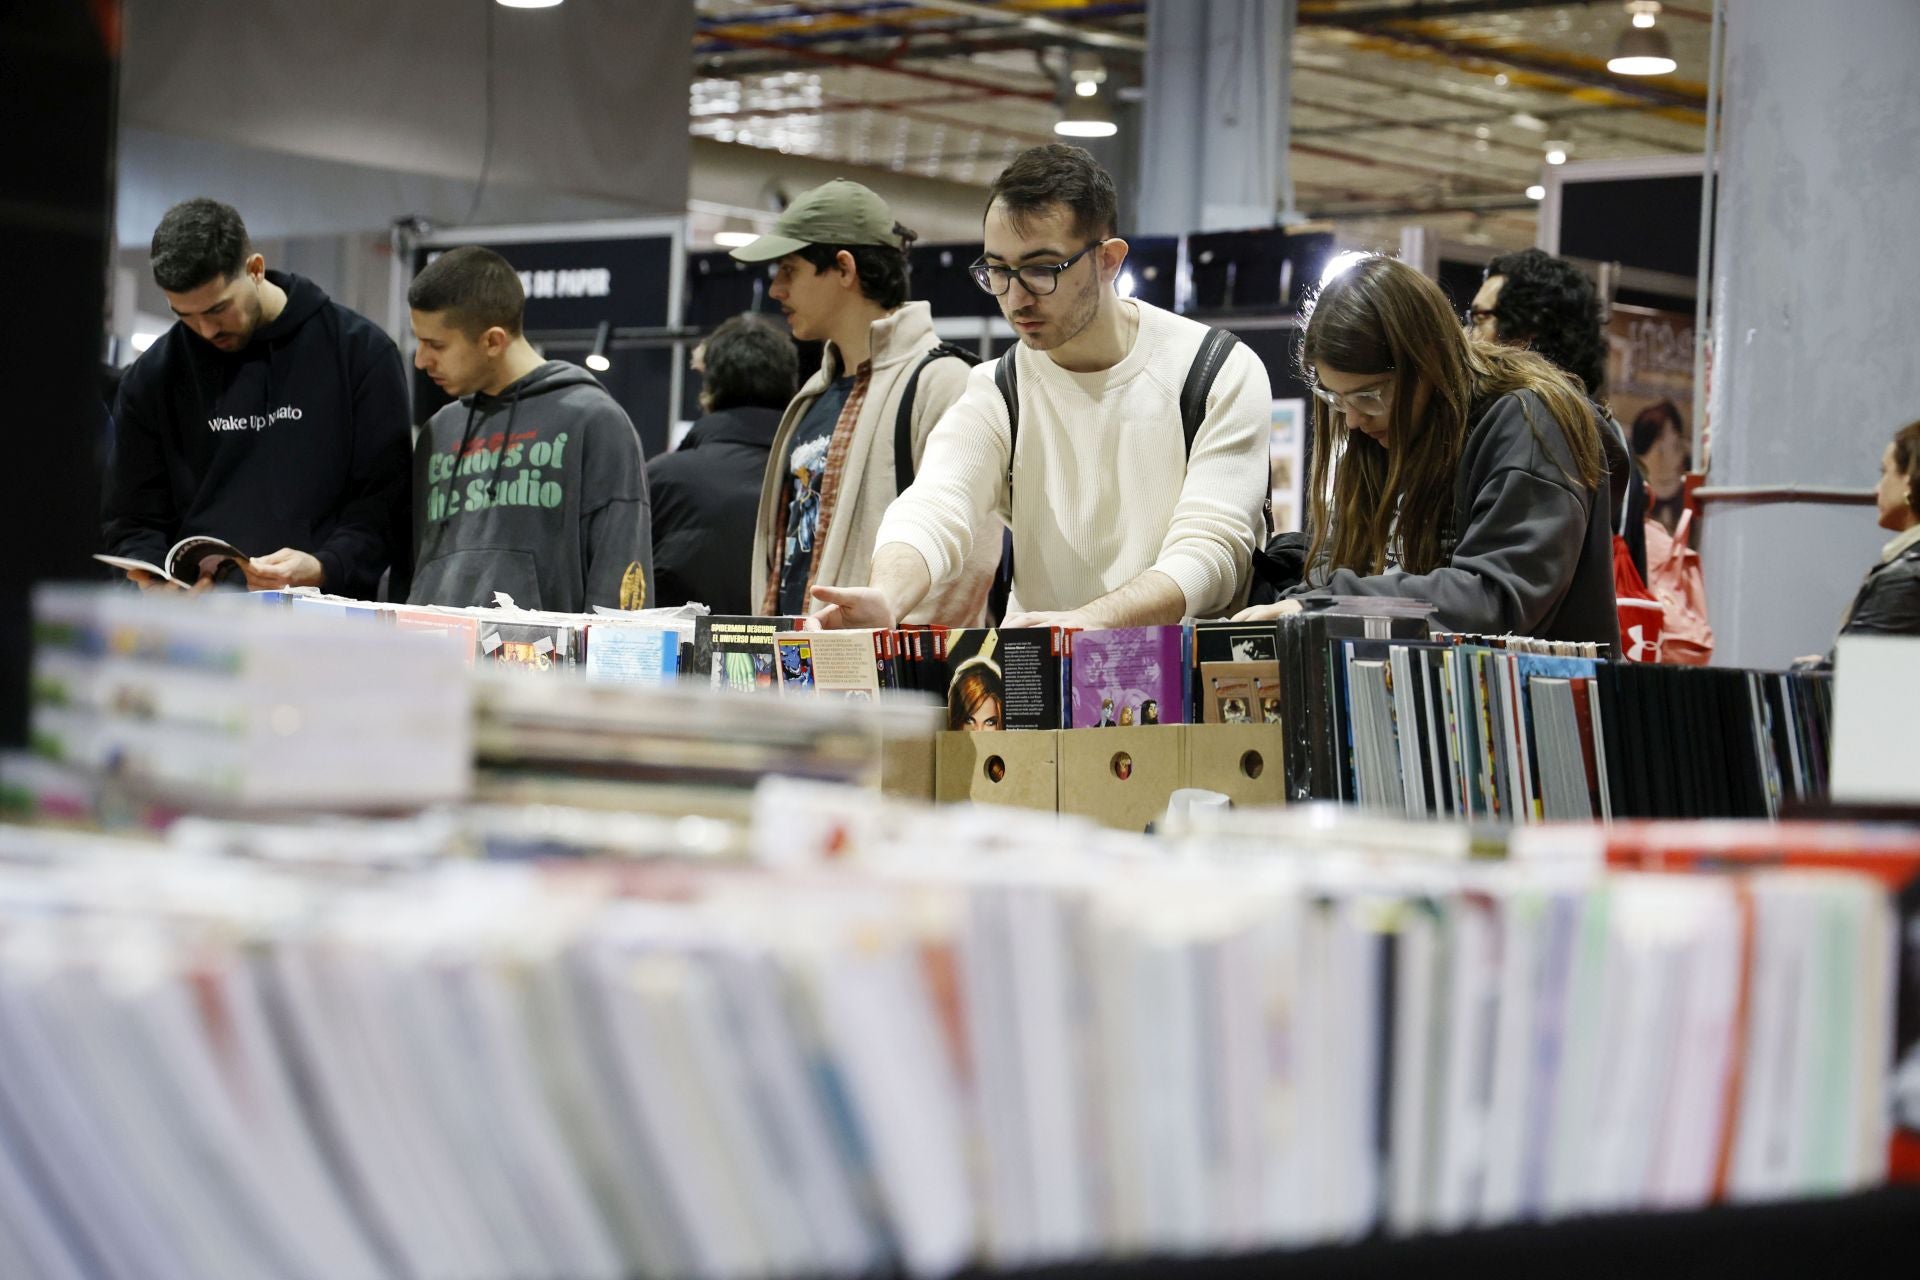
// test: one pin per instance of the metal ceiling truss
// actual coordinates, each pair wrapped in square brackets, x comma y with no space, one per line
[944,42]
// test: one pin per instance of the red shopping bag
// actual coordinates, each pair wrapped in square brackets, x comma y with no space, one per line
[1642,617]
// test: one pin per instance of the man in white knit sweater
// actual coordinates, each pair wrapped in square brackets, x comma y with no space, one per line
[1114,523]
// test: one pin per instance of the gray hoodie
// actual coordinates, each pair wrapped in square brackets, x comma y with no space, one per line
[540,492]
[1532,547]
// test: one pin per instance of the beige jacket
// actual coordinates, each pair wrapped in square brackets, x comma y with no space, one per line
[853,501]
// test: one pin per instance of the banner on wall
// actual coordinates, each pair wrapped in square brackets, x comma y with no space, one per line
[1650,389]
[1649,359]
[575,284]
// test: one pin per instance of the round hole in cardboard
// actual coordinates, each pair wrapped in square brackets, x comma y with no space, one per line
[1252,764]
[995,769]
[1122,765]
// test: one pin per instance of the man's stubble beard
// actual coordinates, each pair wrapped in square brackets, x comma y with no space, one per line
[1076,322]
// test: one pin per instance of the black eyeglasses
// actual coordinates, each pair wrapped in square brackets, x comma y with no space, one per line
[1036,280]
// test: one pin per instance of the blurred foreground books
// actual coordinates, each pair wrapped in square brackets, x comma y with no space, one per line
[918,1039]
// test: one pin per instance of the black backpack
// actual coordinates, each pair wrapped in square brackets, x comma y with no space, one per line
[1206,366]
[903,420]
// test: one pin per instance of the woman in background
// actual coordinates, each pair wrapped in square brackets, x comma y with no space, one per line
[1660,447]
[1449,470]
[1888,602]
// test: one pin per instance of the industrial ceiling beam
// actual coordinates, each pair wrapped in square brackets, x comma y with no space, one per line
[1529,68]
[1325,14]
[1415,208]
[1065,32]
[815,57]
[758,61]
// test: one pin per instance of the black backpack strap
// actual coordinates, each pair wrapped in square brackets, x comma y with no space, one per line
[903,420]
[1213,353]
[1007,378]
[1206,366]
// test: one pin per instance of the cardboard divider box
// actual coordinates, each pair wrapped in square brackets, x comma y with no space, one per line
[1017,767]
[908,766]
[1244,762]
[1122,777]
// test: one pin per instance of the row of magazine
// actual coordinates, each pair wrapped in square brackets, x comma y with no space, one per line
[913,1041]
[214,703]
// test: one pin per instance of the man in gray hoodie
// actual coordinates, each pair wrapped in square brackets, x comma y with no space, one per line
[532,481]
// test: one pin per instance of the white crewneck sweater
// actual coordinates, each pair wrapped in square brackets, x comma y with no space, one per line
[1102,490]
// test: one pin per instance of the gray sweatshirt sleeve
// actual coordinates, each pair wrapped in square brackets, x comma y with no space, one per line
[616,527]
[1525,526]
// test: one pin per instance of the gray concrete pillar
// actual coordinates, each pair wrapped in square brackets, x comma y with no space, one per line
[1214,138]
[1816,293]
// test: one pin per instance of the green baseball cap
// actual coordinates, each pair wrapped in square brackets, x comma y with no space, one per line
[837,212]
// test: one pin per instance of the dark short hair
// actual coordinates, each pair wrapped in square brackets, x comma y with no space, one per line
[750,364]
[1906,460]
[476,288]
[1651,422]
[882,269]
[1549,303]
[1043,178]
[197,241]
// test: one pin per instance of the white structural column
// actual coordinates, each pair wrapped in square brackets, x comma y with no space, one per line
[1815,309]
[1214,138]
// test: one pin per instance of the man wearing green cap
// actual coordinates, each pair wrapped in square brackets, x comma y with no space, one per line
[840,276]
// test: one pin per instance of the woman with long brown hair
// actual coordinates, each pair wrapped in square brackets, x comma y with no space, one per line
[1448,469]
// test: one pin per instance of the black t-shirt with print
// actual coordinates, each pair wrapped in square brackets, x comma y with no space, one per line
[806,462]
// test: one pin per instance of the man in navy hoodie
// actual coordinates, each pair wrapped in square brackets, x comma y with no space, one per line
[531,482]
[268,416]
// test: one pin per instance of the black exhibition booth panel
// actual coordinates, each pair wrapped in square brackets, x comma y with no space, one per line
[56,65]
[572,287]
[1266,270]
[1605,220]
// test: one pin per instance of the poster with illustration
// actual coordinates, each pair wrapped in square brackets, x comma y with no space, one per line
[1650,390]
[1286,462]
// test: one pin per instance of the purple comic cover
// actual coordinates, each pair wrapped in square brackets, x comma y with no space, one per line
[1137,675]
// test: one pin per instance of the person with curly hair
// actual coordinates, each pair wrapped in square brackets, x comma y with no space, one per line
[1532,299]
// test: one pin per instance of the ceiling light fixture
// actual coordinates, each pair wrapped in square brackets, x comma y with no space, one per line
[597,358]
[1643,49]
[141,341]
[734,239]
[1556,153]
[1087,118]
[529,4]
[1536,192]
[1086,69]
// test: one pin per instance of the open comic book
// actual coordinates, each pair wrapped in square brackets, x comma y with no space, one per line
[184,560]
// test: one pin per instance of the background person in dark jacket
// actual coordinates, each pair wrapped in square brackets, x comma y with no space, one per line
[1889,599]
[1546,304]
[531,482]
[268,416]
[706,494]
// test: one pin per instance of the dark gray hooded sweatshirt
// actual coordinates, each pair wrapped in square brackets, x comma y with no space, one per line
[540,492]
[1532,548]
